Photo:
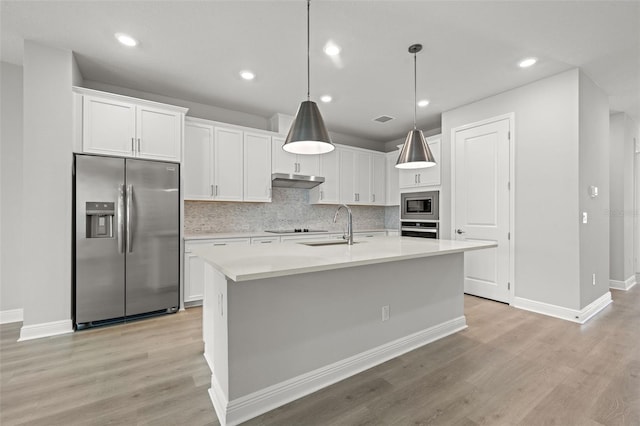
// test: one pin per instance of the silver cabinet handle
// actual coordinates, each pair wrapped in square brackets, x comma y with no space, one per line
[133,145]
[216,194]
[355,197]
[321,195]
[415,178]
[459,231]
[120,213]
[138,145]
[266,242]
[219,244]
[419,178]
[211,190]
[129,214]
[373,198]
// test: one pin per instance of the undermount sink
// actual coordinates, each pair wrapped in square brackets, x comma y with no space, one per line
[326,243]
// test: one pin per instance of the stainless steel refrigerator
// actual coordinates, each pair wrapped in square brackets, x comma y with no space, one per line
[127,246]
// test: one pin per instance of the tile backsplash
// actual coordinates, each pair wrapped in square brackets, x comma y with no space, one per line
[289,209]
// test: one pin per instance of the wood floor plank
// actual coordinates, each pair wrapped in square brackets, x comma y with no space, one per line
[510,367]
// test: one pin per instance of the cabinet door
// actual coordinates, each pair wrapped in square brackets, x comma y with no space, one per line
[393,183]
[281,160]
[362,170]
[330,171]
[193,278]
[308,165]
[257,167]
[347,176]
[197,167]
[378,179]
[431,175]
[227,160]
[158,134]
[109,126]
[408,178]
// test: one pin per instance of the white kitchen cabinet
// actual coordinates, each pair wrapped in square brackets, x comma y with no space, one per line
[430,176]
[194,268]
[355,173]
[297,164]
[257,167]
[227,164]
[129,127]
[329,191]
[393,176]
[378,179]
[197,167]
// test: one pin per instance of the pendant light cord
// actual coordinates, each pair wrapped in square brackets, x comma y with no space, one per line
[415,88]
[308,55]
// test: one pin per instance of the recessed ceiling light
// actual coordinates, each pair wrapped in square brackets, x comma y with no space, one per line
[247,75]
[126,39]
[423,103]
[326,98]
[331,49]
[526,63]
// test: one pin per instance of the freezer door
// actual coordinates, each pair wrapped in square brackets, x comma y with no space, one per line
[152,243]
[99,250]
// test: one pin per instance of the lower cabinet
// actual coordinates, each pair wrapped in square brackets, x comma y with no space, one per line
[194,268]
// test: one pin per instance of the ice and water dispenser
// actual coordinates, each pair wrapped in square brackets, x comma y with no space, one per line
[100,219]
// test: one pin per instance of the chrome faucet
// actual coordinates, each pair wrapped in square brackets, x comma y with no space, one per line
[349,236]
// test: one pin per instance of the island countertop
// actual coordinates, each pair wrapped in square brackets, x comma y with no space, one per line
[244,263]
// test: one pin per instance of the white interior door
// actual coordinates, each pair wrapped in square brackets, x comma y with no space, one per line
[481,205]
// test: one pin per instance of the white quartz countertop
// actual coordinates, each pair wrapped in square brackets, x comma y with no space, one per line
[244,263]
[216,235]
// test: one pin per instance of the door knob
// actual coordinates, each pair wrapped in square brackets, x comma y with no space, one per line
[459,231]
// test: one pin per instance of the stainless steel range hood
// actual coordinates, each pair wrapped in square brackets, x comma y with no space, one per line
[284,180]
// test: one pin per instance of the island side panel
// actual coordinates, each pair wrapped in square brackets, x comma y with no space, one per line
[215,332]
[280,328]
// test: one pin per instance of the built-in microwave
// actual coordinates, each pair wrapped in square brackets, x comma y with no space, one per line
[420,206]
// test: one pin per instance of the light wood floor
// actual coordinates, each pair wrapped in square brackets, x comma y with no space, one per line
[510,367]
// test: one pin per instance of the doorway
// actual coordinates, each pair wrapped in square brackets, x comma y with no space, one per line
[482,210]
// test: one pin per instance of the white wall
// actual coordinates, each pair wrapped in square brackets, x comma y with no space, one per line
[622,132]
[47,179]
[546,183]
[594,170]
[11,186]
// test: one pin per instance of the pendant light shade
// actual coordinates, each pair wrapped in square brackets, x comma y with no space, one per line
[308,135]
[415,153]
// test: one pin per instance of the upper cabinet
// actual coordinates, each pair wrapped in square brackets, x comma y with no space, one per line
[329,191]
[362,177]
[296,164]
[225,163]
[430,176]
[129,127]
[393,176]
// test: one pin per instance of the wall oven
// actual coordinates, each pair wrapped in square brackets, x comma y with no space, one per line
[420,214]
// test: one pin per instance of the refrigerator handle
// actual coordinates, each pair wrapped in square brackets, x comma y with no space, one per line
[128,221]
[120,213]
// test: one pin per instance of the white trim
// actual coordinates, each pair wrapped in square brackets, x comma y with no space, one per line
[249,406]
[511,116]
[209,360]
[54,328]
[623,285]
[11,315]
[573,315]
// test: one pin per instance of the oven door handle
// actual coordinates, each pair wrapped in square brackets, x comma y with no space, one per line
[429,230]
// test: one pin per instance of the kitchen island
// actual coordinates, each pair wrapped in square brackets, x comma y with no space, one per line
[282,321]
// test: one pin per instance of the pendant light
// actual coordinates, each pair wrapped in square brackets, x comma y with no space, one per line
[415,153]
[308,135]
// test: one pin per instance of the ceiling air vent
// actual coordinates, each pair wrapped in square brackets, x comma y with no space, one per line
[383,119]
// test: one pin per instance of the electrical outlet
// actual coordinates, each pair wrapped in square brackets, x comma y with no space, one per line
[584,217]
[594,279]
[385,313]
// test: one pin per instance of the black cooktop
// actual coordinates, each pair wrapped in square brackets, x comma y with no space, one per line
[295,231]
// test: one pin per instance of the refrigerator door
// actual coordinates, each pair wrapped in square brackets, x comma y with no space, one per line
[153,238]
[99,246]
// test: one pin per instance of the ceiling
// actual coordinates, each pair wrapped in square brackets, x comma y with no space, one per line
[194,50]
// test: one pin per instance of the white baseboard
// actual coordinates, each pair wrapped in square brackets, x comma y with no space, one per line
[574,315]
[37,331]
[623,285]
[249,406]
[11,315]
